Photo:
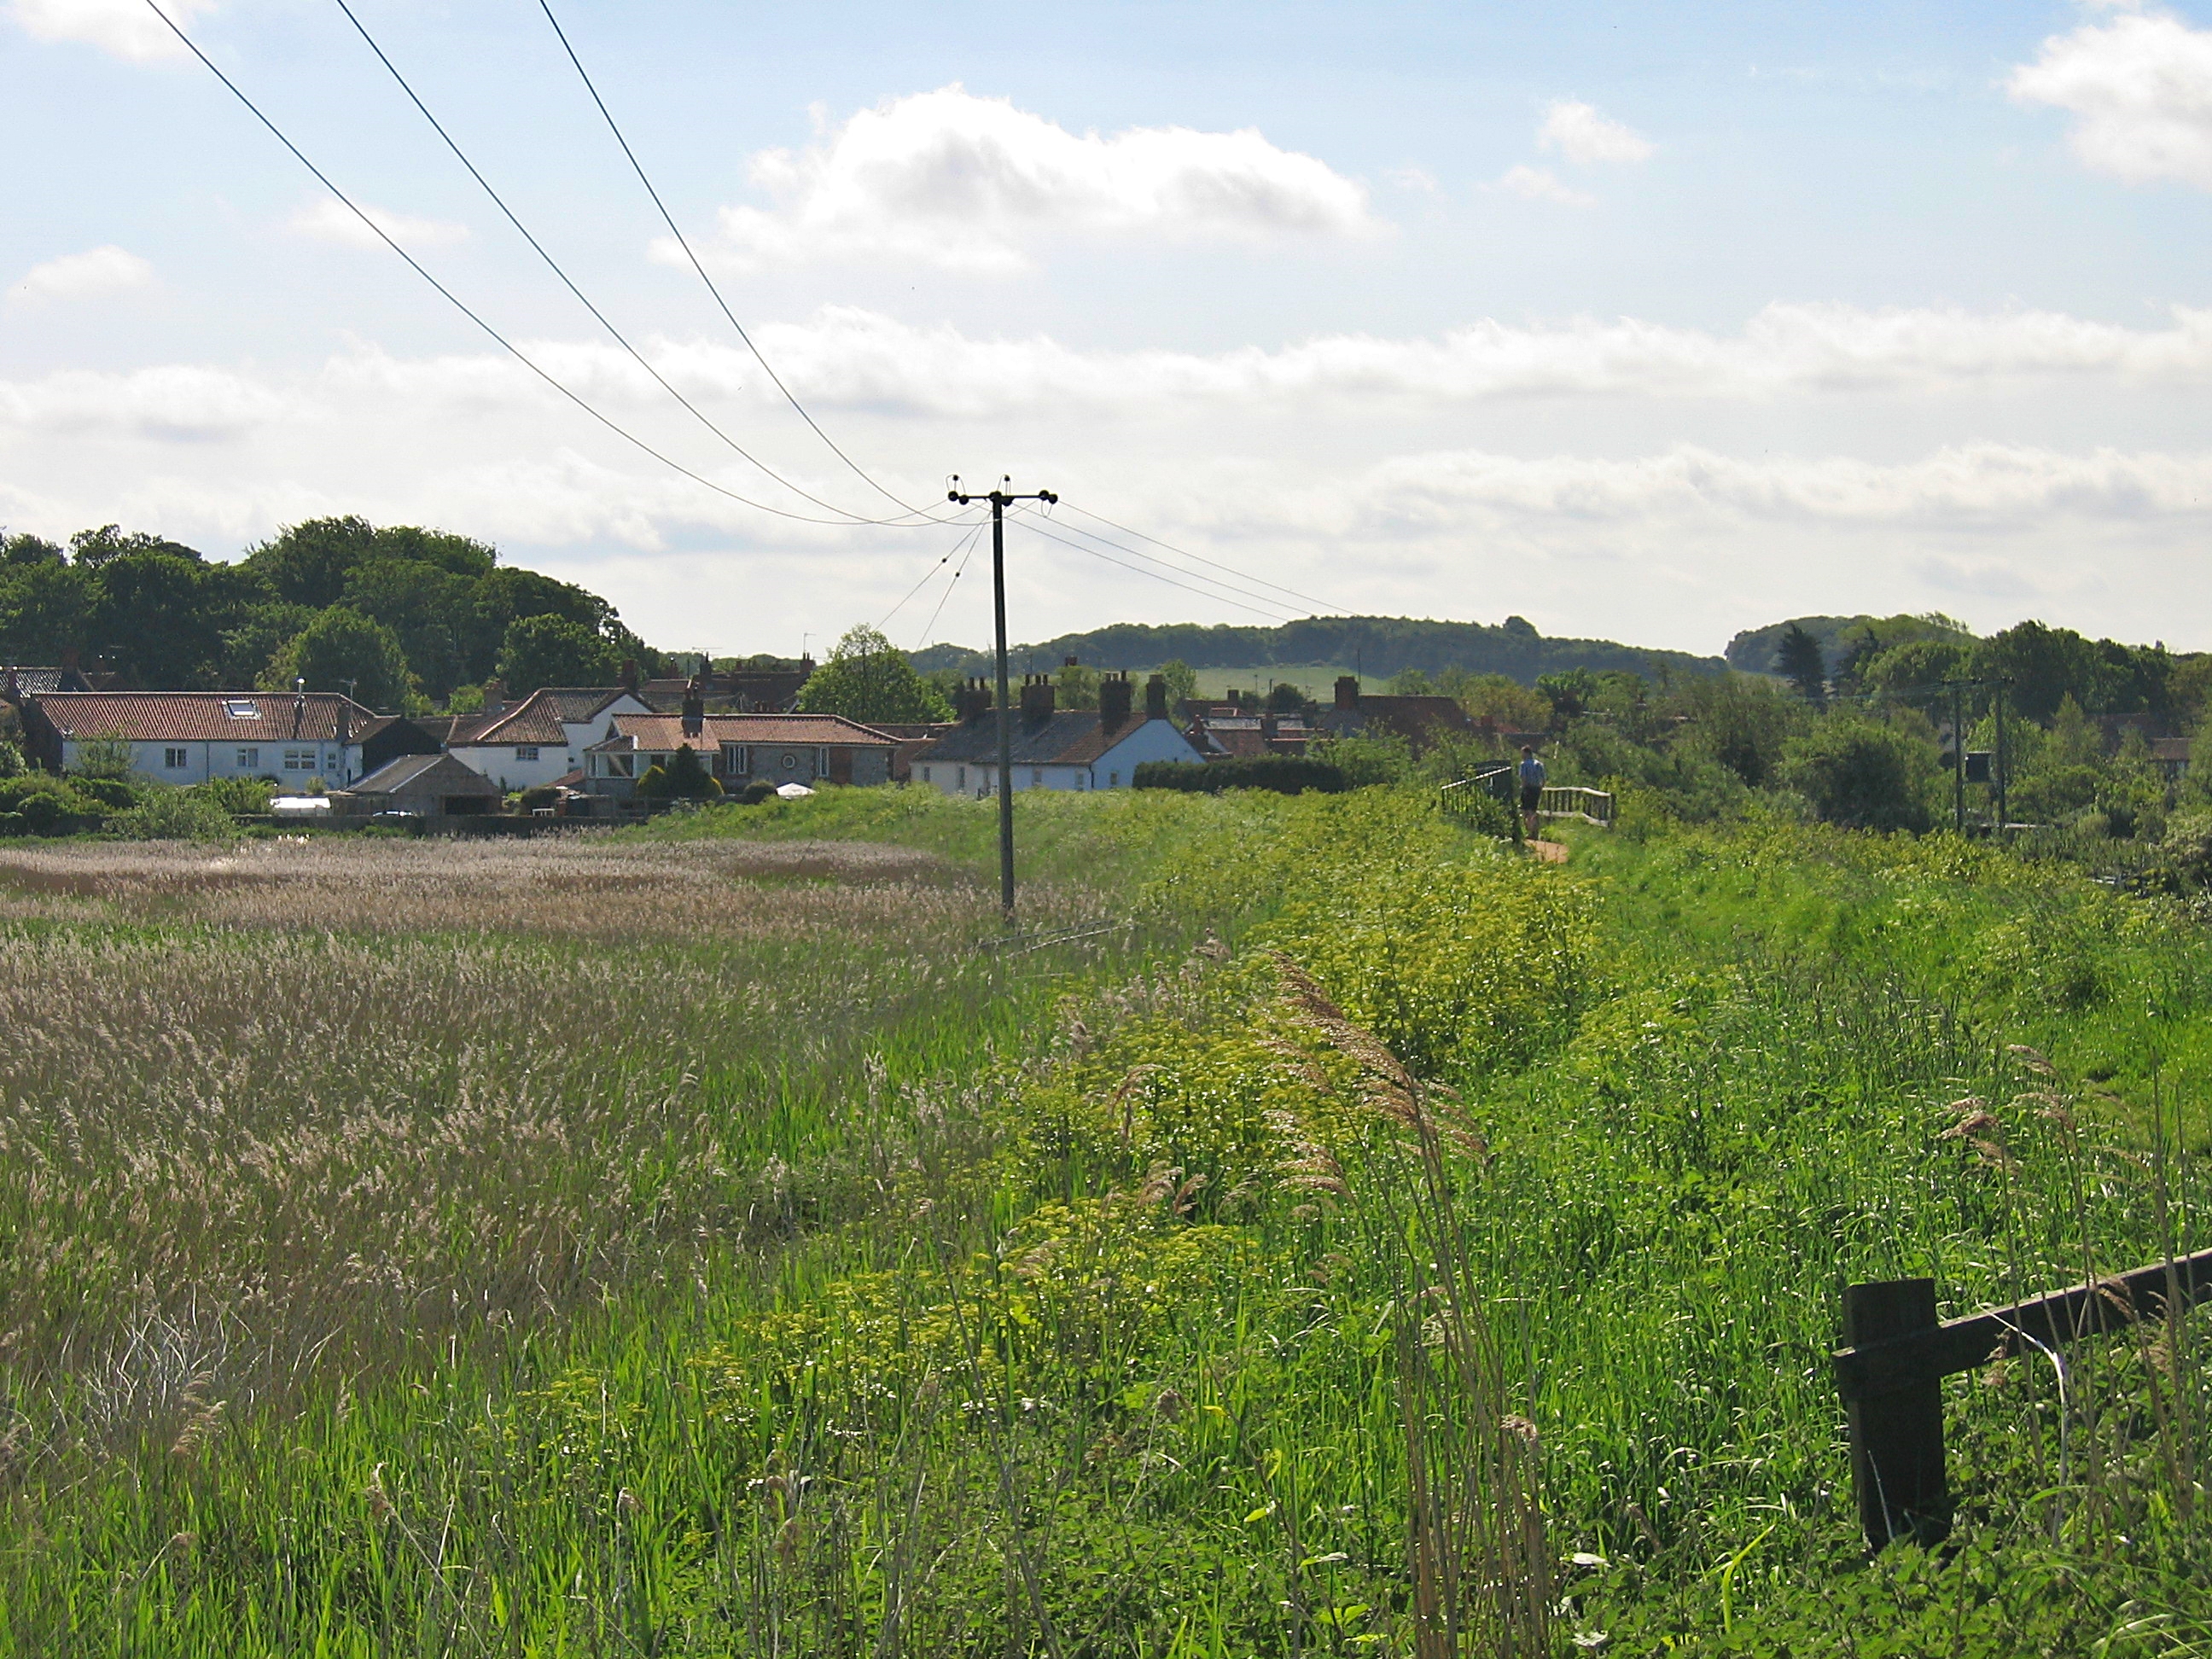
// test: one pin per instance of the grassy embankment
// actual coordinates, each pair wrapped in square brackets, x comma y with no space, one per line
[689,1245]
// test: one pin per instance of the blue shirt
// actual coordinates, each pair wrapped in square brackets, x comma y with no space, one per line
[1532,774]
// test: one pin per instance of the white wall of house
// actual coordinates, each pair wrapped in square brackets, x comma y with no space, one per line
[292,764]
[525,766]
[1154,739]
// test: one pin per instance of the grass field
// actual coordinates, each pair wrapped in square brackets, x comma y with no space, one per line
[689,1241]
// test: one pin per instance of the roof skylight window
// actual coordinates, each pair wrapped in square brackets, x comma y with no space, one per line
[241,709]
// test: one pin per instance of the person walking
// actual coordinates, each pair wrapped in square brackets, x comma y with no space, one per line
[1532,787]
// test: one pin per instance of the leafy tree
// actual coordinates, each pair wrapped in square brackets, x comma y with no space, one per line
[1285,698]
[47,609]
[1742,722]
[1799,660]
[1182,680]
[550,650]
[1077,686]
[251,644]
[308,563]
[11,761]
[1569,693]
[104,758]
[869,678]
[2048,665]
[510,594]
[343,651]
[434,612]
[162,617]
[1498,698]
[94,549]
[1913,671]
[1413,682]
[1861,773]
[2189,687]
[27,549]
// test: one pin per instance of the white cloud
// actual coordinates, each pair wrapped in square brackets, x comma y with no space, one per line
[1578,132]
[127,28]
[949,179]
[330,219]
[2140,89]
[98,270]
[175,402]
[1540,184]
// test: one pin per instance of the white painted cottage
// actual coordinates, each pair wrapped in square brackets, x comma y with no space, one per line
[541,739]
[1079,748]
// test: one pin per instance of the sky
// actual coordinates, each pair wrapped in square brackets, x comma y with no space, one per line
[1641,321]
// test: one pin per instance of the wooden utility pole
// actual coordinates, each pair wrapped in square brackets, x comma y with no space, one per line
[999,499]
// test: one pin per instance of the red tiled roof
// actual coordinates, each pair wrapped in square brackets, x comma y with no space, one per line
[663,733]
[538,717]
[204,716]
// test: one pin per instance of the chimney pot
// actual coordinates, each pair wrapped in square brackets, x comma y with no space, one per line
[1038,697]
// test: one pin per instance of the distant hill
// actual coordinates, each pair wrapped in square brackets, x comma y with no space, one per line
[1379,647]
[1752,652]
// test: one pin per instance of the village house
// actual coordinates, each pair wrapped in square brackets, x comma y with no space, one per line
[1055,749]
[191,737]
[736,749]
[422,786]
[1421,721]
[541,739]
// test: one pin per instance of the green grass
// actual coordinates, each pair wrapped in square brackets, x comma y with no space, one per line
[842,1289]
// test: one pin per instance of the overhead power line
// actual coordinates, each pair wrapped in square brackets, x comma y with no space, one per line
[1202,559]
[1254,593]
[958,547]
[582,299]
[930,628]
[683,242]
[1274,614]
[455,301]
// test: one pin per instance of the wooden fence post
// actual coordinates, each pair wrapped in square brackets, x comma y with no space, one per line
[1897,1434]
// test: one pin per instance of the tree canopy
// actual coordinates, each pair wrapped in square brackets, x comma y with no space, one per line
[549,650]
[869,678]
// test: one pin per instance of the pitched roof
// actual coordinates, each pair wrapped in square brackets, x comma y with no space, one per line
[663,733]
[39,681]
[1068,737]
[411,770]
[204,716]
[540,717]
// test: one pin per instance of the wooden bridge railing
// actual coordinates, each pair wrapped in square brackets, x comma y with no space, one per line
[1572,801]
[1897,1354]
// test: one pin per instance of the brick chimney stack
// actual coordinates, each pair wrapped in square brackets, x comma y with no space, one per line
[494,697]
[695,706]
[1037,696]
[629,678]
[1115,693]
[1347,693]
[1155,697]
[971,701]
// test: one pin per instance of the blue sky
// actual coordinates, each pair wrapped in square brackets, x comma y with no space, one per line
[1653,322]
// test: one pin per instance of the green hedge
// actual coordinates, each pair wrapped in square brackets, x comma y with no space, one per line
[1286,774]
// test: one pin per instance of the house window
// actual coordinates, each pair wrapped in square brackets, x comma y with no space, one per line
[299,760]
[526,752]
[736,760]
[248,759]
[242,708]
[790,761]
[618,766]
[175,760]
[1113,780]
[963,778]
[1037,777]
[925,774]
[1079,778]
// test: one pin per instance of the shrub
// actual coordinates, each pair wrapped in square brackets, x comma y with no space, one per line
[684,778]
[111,792]
[1286,775]
[244,797]
[173,815]
[104,757]
[11,761]
[43,805]
[1862,775]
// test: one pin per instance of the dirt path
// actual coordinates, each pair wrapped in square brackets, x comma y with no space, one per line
[1547,851]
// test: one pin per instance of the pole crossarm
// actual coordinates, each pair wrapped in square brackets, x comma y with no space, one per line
[2060,1317]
